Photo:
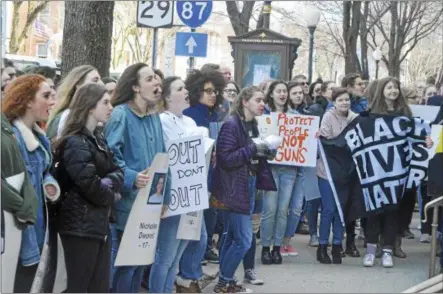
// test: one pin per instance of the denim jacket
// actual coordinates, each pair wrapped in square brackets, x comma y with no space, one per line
[36,152]
[135,141]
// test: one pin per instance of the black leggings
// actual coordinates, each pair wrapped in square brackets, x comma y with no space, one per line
[405,210]
[374,228]
[88,264]
[24,277]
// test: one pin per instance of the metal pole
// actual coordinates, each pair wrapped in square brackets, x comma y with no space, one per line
[154,48]
[311,52]
[433,241]
[267,8]
[376,69]
[191,59]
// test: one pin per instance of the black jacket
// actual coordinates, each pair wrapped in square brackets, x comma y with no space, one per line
[86,206]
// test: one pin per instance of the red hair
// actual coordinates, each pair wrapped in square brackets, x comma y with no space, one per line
[19,93]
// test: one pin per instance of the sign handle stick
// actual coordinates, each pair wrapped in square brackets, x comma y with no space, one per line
[191,59]
[154,48]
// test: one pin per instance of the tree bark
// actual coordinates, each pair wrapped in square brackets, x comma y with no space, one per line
[351,28]
[240,20]
[87,35]
[364,40]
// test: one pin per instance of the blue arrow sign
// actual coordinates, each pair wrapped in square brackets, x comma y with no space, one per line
[194,13]
[191,44]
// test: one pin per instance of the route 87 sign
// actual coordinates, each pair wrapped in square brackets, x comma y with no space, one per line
[155,14]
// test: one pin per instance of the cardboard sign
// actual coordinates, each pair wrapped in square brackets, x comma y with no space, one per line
[139,240]
[189,173]
[299,147]
[426,112]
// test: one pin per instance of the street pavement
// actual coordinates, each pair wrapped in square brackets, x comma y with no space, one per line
[303,274]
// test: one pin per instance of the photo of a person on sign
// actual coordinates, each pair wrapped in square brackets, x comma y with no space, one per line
[157,189]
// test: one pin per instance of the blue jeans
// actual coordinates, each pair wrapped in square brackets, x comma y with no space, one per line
[275,206]
[312,207]
[210,216]
[296,204]
[127,279]
[190,267]
[237,242]
[114,249]
[329,215]
[167,256]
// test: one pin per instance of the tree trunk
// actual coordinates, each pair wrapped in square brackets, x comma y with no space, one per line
[364,41]
[240,20]
[87,35]
[351,28]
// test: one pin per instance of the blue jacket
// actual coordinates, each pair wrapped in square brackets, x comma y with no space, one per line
[201,114]
[135,141]
[359,104]
[234,152]
[36,152]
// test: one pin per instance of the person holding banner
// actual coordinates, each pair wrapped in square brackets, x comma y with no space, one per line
[241,169]
[28,100]
[93,183]
[333,123]
[135,136]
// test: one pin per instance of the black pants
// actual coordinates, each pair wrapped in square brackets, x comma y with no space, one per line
[350,233]
[426,228]
[24,277]
[388,231]
[406,210]
[88,264]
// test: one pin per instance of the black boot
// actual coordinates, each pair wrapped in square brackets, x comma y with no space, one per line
[322,254]
[266,257]
[351,249]
[336,254]
[276,256]
[398,252]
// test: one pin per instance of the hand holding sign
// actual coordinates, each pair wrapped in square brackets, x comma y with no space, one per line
[142,179]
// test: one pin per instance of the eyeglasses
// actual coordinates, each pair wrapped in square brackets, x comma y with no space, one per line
[211,91]
[432,94]
[12,75]
[230,91]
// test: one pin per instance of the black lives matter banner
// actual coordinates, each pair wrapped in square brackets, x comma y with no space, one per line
[374,160]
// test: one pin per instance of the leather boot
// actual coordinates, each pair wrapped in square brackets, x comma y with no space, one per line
[336,254]
[322,254]
[398,252]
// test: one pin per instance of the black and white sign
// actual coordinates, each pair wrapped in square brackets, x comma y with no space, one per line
[155,14]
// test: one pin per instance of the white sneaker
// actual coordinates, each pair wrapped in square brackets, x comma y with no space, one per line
[252,278]
[387,260]
[369,260]
[425,238]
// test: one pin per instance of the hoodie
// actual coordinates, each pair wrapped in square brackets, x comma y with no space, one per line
[331,126]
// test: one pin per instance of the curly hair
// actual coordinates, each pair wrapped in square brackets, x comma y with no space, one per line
[270,101]
[19,93]
[195,83]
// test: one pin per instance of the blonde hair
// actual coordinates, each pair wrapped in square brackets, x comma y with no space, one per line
[68,87]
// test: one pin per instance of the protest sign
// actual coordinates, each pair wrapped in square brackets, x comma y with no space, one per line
[435,170]
[190,225]
[139,240]
[299,147]
[189,188]
[426,112]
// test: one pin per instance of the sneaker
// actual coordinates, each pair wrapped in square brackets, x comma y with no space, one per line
[194,287]
[425,238]
[369,260]
[387,260]
[290,250]
[314,242]
[303,229]
[407,234]
[252,278]
[234,288]
[212,257]
[221,289]
[284,251]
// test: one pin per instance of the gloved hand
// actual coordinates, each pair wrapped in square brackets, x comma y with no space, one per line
[262,147]
[106,183]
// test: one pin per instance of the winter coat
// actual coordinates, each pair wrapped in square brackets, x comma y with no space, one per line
[231,175]
[86,206]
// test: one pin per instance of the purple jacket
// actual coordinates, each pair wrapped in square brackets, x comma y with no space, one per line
[234,151]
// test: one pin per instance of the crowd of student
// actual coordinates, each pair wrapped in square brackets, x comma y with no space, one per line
[85,146]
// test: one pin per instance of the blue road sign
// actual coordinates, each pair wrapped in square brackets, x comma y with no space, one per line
[191,44]
[194,13]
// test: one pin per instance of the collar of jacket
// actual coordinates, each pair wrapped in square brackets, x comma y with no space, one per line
[6,126]
[31,141]
[94,138]
[241,122]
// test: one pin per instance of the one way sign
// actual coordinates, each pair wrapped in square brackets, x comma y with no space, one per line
[191,44]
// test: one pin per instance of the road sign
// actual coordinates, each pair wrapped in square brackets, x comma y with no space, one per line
[194,13]
[155,14]
[191,44]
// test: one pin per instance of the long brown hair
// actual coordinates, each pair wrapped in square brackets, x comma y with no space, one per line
[378,104]
[370,90]
[85,99]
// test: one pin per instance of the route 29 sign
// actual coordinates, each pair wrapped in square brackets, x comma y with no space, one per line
[155,14]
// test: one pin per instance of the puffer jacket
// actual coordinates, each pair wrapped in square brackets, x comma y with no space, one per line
[86,206]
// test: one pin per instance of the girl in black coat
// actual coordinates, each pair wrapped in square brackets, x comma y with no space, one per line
[90,183]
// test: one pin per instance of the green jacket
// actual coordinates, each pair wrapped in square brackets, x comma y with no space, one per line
[23,204]
[52,127]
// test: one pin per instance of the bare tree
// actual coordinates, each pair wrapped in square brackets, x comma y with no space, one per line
[241,13]
[425,61]
[19,36]
[407,23]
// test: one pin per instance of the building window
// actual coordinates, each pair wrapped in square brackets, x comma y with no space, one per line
[45,15]
[42,50]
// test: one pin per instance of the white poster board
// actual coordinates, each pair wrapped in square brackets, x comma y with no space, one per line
[139,240]
[299,147]
[426,112]
[189,187]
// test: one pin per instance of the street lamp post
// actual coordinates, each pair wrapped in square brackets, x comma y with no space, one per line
[312,18]
[377,55]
